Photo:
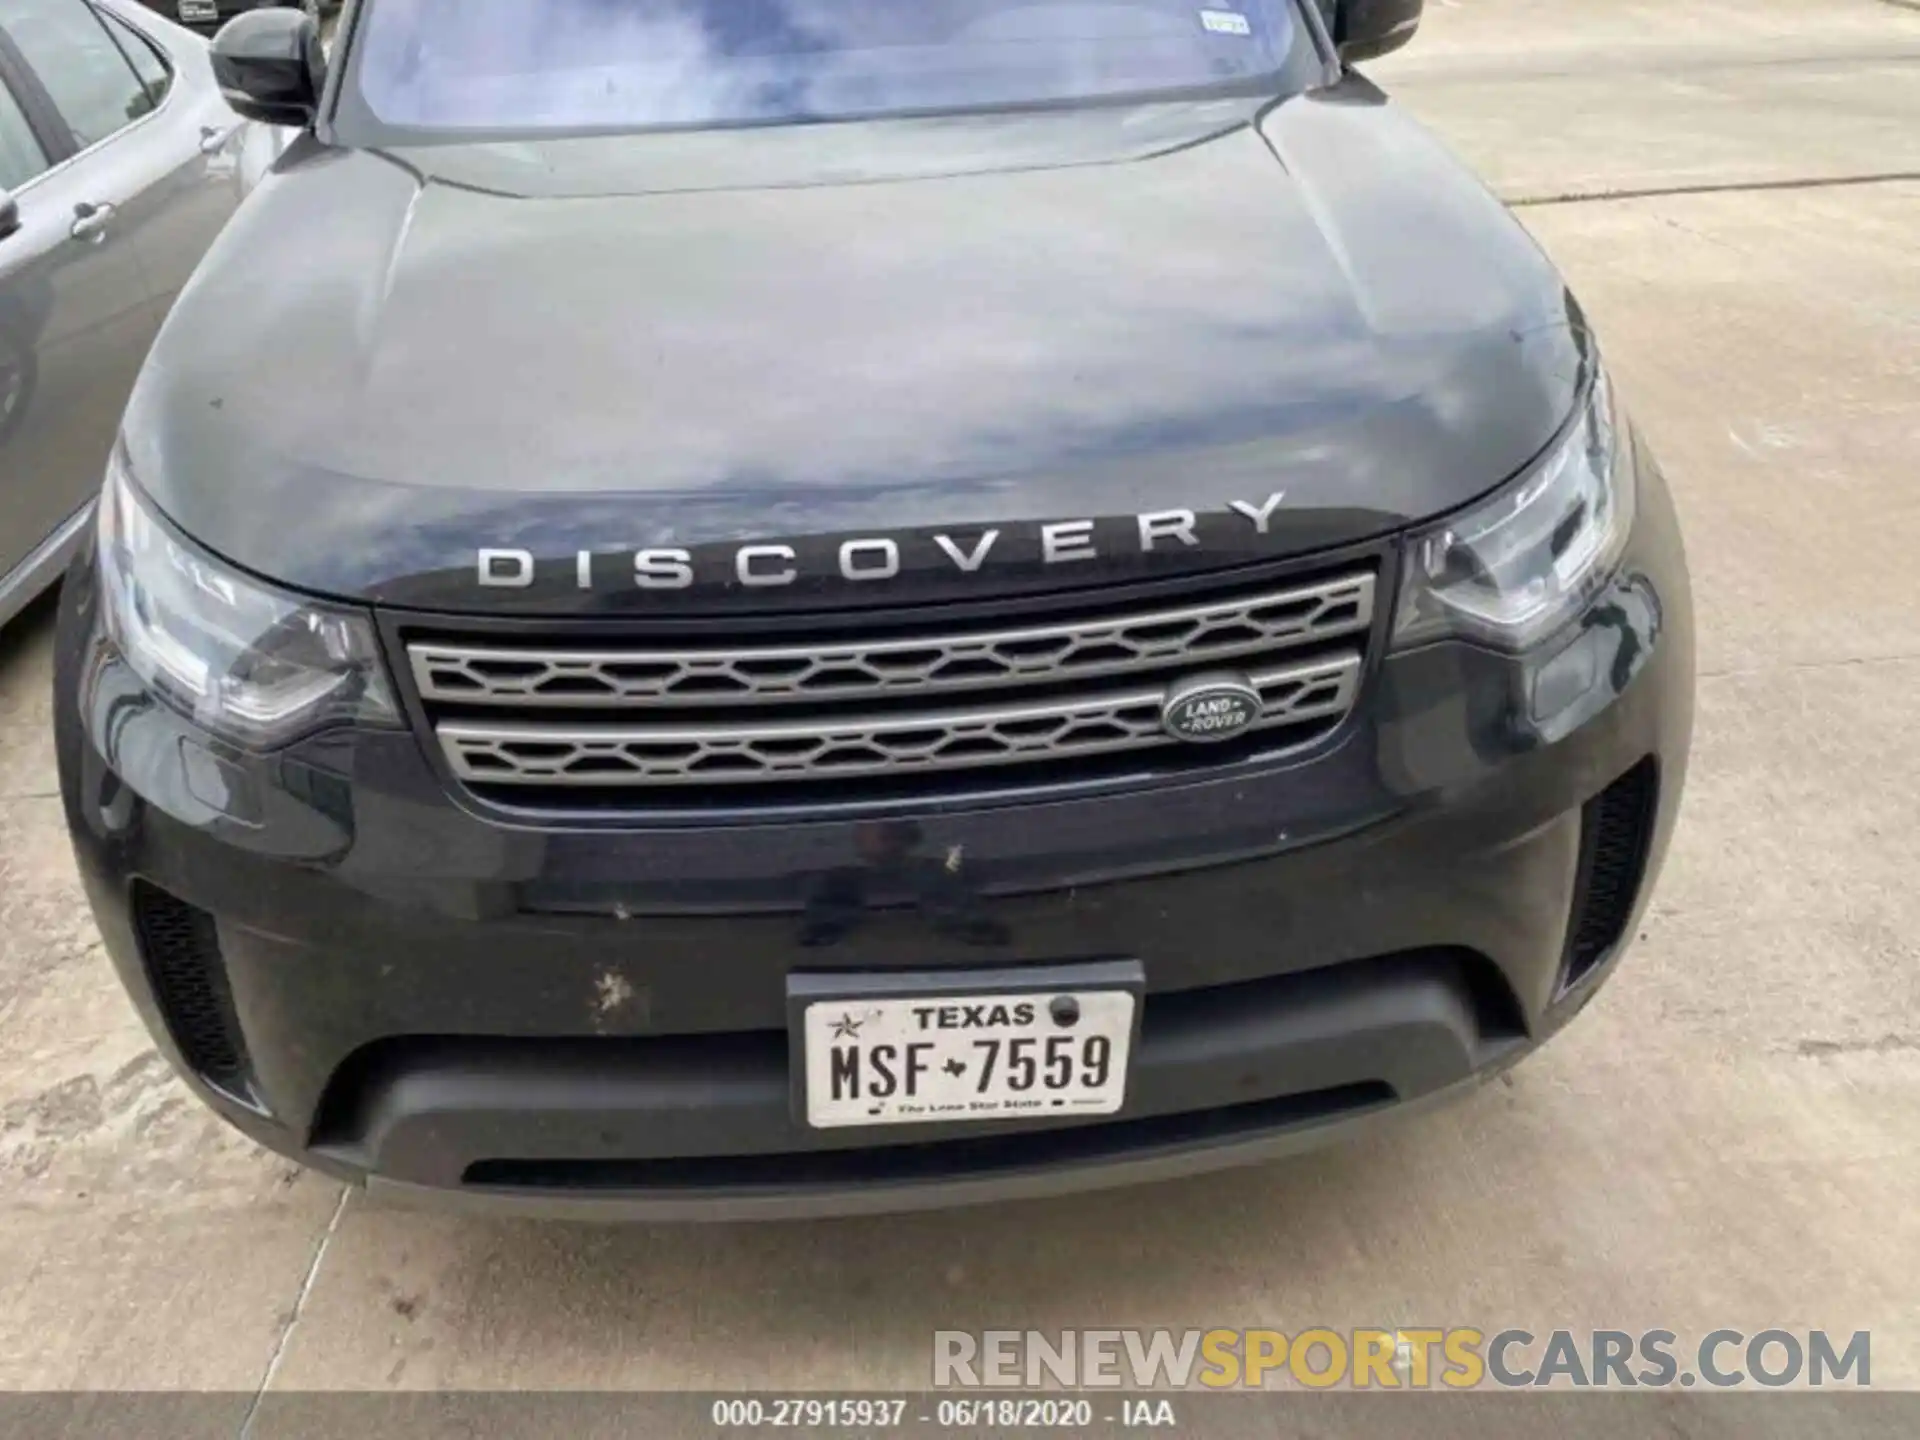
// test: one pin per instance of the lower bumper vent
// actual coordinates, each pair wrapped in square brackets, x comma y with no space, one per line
[968,1157]
[1615,833]
[182,952]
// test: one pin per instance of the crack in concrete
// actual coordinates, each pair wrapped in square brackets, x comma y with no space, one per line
[1885,1045]
[1629,60]
[293,1318]
[1716,187]
[1795,666]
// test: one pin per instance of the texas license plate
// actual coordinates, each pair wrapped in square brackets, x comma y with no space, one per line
[198,11]
[934,1058]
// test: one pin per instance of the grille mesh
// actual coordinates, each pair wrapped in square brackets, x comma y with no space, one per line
[533,718]
[1195,634]
[1616,828]
[182,952]
[745,752]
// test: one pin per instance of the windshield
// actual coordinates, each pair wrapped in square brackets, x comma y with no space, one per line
[572,65]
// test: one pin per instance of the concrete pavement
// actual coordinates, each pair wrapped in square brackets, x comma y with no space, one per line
[1729,1137]
[1557,100]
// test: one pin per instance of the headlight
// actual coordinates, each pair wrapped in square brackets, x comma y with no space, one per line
[1513,568]
[248,663]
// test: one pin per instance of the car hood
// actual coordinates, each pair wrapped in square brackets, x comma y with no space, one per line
[905,335]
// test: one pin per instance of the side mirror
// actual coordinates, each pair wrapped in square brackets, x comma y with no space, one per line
[270,66]
[1368,29]
[9,214]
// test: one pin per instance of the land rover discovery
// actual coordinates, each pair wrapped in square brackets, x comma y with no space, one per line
[719,608]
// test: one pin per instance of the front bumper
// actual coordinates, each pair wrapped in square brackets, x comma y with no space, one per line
[594,1021]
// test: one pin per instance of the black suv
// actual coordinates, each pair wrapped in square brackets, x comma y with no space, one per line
[709,608]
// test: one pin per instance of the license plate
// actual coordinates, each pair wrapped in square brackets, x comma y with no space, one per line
[924,1059]
[199,10]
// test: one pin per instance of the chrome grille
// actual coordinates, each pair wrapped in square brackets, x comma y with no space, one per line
[626,717]
[871,745]
[1196,634]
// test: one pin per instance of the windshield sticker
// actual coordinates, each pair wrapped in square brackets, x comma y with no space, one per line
[1225,22]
